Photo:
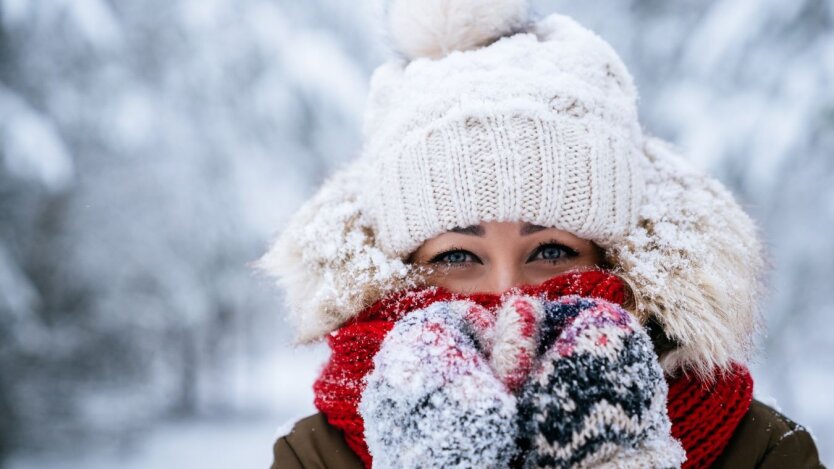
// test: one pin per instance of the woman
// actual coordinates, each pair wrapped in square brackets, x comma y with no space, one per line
[514,275]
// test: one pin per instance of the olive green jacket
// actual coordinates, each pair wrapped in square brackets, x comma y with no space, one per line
[764,439]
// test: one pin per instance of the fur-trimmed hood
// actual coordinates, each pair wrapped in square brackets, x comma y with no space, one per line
[539,124]
[693,261]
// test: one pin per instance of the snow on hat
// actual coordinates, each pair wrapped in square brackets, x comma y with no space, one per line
[488,115]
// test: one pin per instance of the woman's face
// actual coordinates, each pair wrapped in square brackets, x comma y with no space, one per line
[495,256]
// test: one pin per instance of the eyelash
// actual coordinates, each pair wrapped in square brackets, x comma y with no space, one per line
[570,252]
[438,258]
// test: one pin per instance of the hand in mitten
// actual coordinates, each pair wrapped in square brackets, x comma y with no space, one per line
[432,399]
[597,398]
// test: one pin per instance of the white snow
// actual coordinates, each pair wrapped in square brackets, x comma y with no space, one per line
[30,145]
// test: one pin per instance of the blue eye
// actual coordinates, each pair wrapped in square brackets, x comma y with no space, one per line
[552,252]
[454,256]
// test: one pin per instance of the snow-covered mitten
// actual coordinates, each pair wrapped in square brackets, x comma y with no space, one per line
[597,398]
[432,399]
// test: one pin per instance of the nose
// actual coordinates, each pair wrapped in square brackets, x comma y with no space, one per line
[503,276]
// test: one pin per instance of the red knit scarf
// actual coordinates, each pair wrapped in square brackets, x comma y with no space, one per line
[703,415]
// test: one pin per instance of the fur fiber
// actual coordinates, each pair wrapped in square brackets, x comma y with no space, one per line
[695,263]
[327,262]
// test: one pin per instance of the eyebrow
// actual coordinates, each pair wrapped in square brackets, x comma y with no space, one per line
[529,228]
[478,230]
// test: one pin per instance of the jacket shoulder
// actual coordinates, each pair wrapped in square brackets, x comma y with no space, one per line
[765,438]
[313,443]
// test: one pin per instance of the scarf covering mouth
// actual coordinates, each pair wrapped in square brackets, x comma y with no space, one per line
[511,334]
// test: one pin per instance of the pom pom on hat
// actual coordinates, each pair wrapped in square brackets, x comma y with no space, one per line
[434,28]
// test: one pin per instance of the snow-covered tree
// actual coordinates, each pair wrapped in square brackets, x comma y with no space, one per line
[148,150]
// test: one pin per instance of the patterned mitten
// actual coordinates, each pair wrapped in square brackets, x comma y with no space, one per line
[432,399]
[597,398]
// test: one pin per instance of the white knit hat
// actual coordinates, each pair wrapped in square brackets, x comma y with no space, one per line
[489,116]
[540,126]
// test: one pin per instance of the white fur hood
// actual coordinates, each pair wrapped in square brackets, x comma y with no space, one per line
[693,260]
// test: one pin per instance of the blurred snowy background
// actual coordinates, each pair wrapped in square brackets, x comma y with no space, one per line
[150,149]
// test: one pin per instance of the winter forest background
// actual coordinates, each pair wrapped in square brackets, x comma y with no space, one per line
[150,149]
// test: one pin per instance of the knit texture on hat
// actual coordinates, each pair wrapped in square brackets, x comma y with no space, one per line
[540,127]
